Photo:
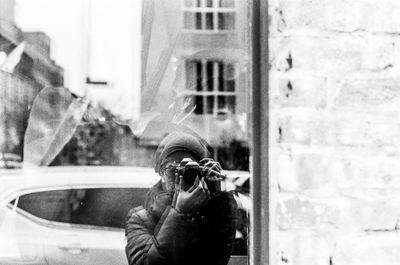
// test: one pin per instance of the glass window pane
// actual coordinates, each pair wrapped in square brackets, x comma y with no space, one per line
[188,20]
[231,104]
[191,75]
[11,203]
[198,20]
[227,3]
[210,104]
[84,206]
[210,75]
[229,86]
[199,105]
[171,70]
[98,206]
[221,69]
[221,102]
[49,205]
[188,3]
[226,21]
[209,21]
[229,73]
[199,75]
[229,78]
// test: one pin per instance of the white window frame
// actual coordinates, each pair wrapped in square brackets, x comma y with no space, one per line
[215,93]
[215,10]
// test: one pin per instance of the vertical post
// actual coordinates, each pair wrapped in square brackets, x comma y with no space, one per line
[259,244]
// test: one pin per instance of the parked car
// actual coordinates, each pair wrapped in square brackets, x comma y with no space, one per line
[71,215]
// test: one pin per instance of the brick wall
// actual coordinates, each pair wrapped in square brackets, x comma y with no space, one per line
[335,132]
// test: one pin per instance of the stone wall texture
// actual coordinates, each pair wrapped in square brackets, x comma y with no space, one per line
[334,132]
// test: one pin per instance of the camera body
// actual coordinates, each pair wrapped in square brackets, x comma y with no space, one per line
[189,170]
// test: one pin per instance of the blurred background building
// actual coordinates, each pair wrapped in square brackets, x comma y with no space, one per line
[19,86]
[207,74]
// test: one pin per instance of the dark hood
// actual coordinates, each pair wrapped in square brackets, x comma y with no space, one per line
[180,141]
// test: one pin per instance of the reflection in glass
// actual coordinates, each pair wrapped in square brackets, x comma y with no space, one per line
[219,79]
[96,207]
[209,21]
[188,3]
[231,103]
[227,3]
[226,21]
[209,75]
[213,16]
[194,77]
[188,20]
[199,105]
[221,102]
[199,74]
[210,104]
[199,20]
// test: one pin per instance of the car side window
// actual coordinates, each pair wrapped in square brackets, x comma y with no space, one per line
[105,207]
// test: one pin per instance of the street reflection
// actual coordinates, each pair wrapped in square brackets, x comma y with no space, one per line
[89,90]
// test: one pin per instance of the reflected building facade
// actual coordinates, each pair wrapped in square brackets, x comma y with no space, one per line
[213,50]
[208,72]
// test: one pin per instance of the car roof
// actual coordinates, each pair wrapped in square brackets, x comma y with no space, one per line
[76,176]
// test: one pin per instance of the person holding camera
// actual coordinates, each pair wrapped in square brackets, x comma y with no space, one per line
[186,218]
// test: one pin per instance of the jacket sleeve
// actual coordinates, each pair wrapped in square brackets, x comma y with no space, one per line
[162,243]
[223,208]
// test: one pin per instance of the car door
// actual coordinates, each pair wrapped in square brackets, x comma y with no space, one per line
[85,245]
[84,226]
[20,236]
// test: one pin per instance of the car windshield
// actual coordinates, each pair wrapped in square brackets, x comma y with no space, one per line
[113,107]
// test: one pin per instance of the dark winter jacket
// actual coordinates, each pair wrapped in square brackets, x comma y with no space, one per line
[158,234]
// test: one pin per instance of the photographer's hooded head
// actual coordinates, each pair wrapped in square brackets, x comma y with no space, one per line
[173,148]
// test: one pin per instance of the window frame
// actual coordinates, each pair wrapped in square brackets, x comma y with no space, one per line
[215,92]
[259,188]
[215,10]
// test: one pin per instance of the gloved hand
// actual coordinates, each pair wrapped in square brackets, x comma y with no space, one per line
[192,200]
[212,174]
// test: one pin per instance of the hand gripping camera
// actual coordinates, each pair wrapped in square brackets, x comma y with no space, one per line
[190,169]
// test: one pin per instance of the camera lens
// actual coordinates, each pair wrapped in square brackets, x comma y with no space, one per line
[190,172]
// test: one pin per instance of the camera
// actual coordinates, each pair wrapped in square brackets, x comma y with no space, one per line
[190,169]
